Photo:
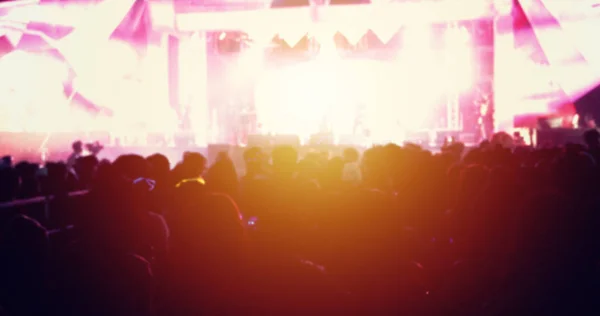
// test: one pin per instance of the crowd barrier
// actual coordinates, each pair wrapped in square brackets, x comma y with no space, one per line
[50,211]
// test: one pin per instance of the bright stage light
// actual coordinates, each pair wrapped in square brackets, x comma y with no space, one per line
[31,92]
[250,62]
[417,37]
[105,83]
[459,71]
[413,92]
[459,60]
[117,58]
[297,99]
[32,68]
[309,93]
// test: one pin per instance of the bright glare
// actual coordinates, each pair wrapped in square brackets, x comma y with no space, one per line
[30,66]
[417,37]
[31,91]
[122,57]
[295,98]
[299,99]
[109,84]
[459,60]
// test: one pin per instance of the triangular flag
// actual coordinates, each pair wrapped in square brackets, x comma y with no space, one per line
[35,36]
[354,33]
[135,28]
[292,35]
[289,3]
[14,37]
[5,46]
[385,31]
[387,23]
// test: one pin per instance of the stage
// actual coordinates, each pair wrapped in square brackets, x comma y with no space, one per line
[40,147]
[216,78]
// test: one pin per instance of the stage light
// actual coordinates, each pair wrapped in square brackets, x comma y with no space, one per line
[103,82]
[328,52]
[459,59]
[298,99]
[31,92]
[250,62]
[459,71]
[119,59]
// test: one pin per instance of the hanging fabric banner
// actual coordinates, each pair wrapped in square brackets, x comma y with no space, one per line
[5,46]
[354,33]
[384,31]
[136,26]
[14,37]
[386,24]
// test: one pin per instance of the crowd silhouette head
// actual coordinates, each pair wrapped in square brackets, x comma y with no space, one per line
[499,228]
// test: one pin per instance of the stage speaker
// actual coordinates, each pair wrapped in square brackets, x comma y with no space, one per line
[215,149]
[286,140]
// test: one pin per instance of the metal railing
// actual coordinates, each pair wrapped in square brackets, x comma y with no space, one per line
[35,200]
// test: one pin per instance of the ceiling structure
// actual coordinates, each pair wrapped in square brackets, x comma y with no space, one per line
[565,35]
[561,27]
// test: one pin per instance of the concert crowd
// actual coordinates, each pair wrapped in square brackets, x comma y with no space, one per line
[498,229]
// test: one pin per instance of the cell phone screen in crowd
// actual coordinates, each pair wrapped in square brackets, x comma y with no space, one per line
[252,221]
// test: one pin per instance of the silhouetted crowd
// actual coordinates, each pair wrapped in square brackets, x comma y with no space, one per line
[396,230]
